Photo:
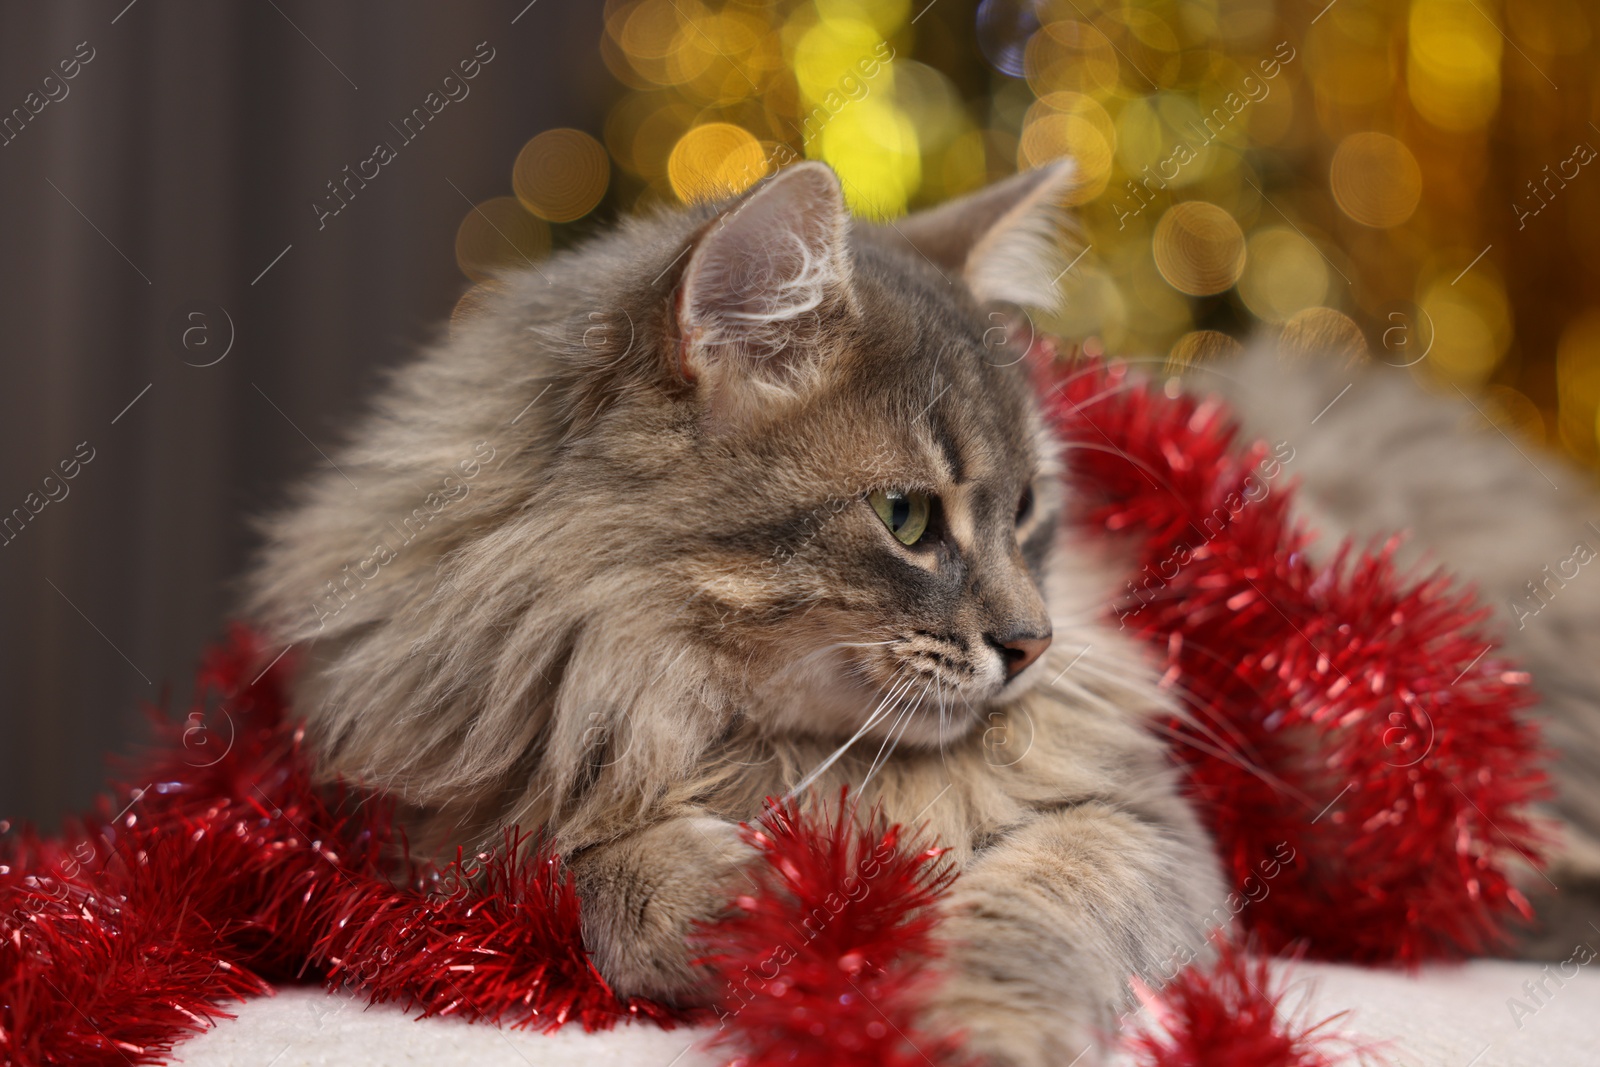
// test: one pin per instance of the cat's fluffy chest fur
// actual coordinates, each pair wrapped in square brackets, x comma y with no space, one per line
[694,506]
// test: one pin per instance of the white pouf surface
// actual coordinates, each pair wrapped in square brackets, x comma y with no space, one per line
[1442,1017]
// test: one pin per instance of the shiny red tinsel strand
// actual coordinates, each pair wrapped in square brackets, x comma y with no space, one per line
[1353,713]
[824,962]
[493,939]
[226,870]
[1230,1015]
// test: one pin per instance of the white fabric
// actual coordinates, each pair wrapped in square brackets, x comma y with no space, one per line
[300,1027]
[1443,1017]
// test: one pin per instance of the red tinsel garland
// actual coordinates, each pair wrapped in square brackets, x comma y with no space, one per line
[824,962]
[1230,1015]
[1308,688]
[1352,713]
[227,872]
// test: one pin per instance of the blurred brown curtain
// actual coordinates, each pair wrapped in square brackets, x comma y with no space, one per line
[168,177]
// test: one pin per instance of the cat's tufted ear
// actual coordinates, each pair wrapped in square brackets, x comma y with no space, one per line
[1007,241]
[765,283]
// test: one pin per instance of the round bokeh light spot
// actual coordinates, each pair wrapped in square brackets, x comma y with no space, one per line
[1375,179]
[1200,347]
[561,175]
[1004,27]
[1285,274]
[1199,248]
[714,160]
[1323,333]
[499,235]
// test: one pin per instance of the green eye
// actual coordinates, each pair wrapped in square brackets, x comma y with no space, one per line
[906,514]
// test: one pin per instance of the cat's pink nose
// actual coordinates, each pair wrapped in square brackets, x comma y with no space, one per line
[1020,652]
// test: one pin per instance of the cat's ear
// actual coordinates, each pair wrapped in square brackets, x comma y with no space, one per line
[762,288]
[1007,241]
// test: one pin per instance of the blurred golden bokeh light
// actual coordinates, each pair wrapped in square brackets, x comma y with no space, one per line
[1323,333]
[715,160]
[1284,273]
[1199,248]
[561,174]
[1074,126]
[1453,63]
[1200,347]
[1407,180]
[1375,179]
[499,235]
[1471,327]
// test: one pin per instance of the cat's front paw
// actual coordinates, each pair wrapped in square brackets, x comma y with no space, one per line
[644,895]
[1004,1024]
[1015,989]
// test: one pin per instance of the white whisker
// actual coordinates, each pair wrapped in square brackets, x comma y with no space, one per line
[877,715]
[896,732]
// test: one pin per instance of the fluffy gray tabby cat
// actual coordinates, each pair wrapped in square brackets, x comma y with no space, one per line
[696,504]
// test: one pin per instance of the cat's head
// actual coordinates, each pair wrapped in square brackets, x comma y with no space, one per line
[879,491]
[756,463]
